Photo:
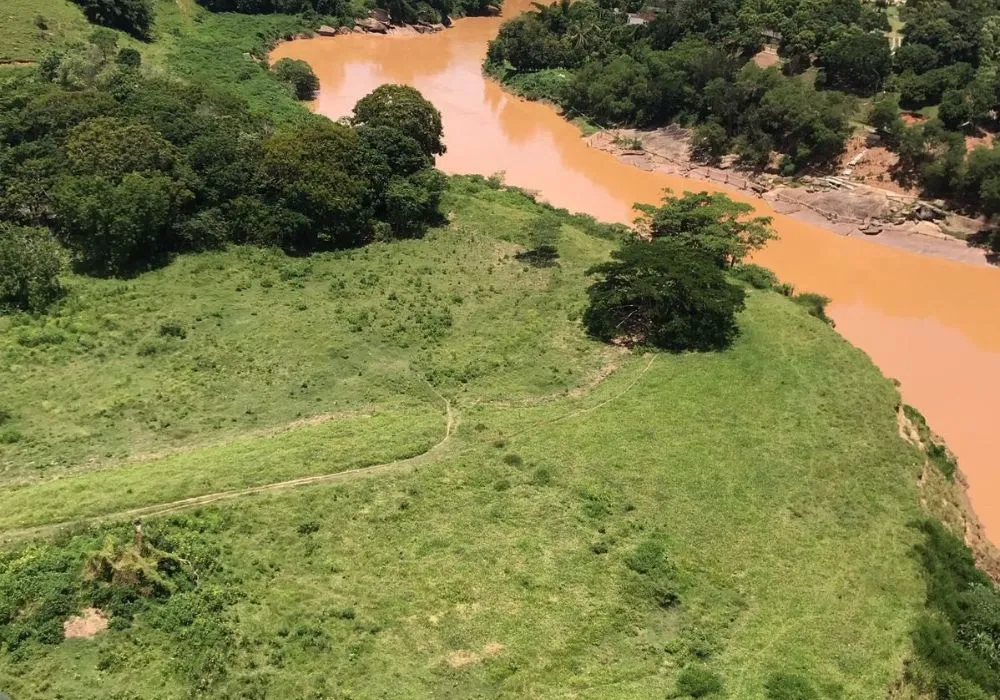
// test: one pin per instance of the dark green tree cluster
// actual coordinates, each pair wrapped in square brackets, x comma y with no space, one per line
[668,289]
[401,11]
[130,170]
[690,64]
[299,75]
[132,16]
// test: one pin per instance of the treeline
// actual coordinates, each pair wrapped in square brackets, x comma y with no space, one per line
[683,66]
[399,10]
[124,170]
[691,64]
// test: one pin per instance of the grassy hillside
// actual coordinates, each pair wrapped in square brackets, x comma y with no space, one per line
[30,28]
[546,517]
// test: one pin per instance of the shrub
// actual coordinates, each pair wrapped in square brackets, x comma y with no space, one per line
[789,686]
[132,16]
[698,681]
[172,329]
[814,304]
[30,263]
[299,75]
[665,294]
[653,576]
[544,255]
[756,276]
[129,58]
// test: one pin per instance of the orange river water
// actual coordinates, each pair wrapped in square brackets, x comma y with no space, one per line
[928,322]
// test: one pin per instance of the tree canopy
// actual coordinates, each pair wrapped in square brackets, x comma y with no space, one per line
[404,108]
[710,223]
[665,294]
[128,170]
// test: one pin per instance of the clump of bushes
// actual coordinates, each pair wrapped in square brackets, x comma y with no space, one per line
[299,75]
[814,304]
[128,170]
[756,276]
[789,686]
[31,261]
[132,16]
[652,576]
[698,682]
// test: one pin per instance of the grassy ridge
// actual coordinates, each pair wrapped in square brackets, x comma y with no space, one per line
[586,532]
[221,343]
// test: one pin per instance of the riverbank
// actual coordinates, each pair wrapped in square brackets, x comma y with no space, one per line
[843,207]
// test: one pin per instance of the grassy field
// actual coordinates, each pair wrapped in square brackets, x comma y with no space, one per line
[596,524]
[31,28]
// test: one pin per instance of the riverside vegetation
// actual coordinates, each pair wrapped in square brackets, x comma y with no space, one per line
[692,63]
[502,503]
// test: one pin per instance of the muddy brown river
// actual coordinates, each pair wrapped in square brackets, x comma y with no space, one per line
[928,322]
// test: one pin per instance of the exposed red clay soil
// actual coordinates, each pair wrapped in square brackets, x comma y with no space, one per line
[87,624]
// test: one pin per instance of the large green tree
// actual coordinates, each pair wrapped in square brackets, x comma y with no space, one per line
[712,224]
[30,263]
[665,294]
[404,108]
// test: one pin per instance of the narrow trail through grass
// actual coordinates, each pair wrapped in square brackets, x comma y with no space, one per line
[452,420]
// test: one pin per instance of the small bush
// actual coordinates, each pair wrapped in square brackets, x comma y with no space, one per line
[513,459]
[308,527]
[789,686]
[172,329]
[299,75]
[129,58]
[698,682]
[814,304]
[544,255]
[756,276]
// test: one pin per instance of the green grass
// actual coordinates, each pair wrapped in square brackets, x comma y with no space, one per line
[23,40]
[584,532]
[269,339]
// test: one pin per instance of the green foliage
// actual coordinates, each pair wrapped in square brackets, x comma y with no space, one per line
[885,117]
[664,294]
[133,16]
[129,171]
[31,262]
[299,75]
[756,276]
[709,142]
[789,686]
[959,637]
[711,223]
[698,682]
[858,62]
[815,304]
[680,67]
[404,108]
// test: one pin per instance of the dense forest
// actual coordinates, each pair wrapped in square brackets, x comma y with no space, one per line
[124,170]
[692,63]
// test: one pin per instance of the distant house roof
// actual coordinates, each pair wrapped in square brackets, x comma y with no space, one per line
[640,17]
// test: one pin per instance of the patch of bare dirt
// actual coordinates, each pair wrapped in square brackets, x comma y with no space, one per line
[766,58]
[86,625]
[461,658]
